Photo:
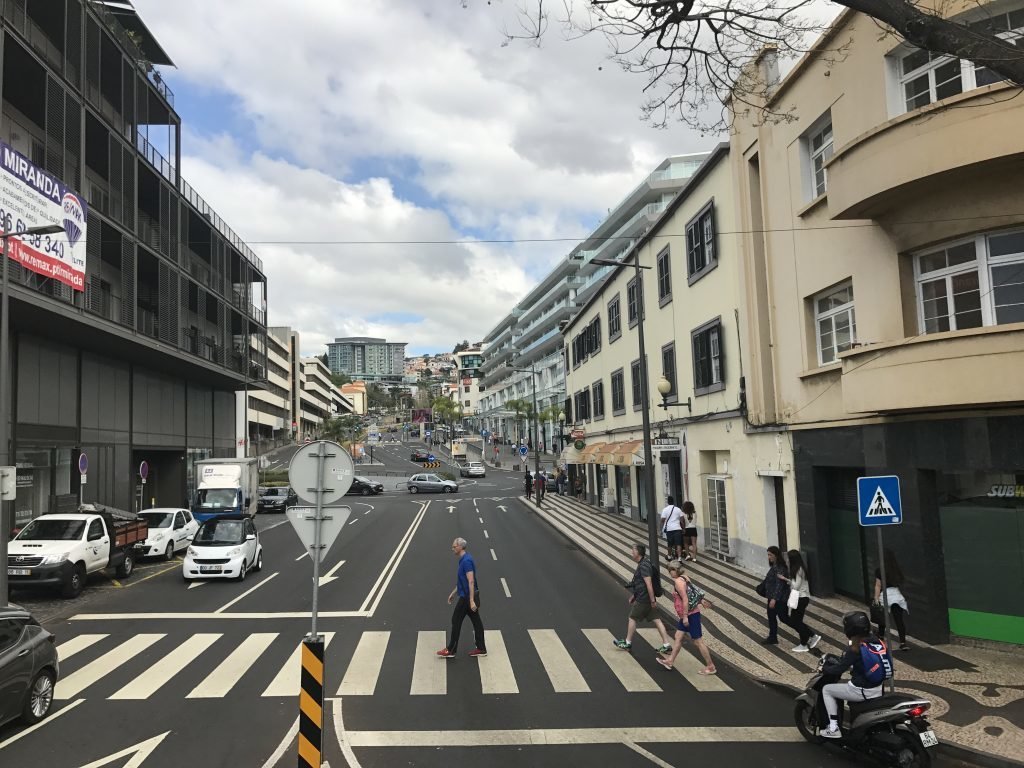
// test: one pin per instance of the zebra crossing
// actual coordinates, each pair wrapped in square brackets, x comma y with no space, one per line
[97,663]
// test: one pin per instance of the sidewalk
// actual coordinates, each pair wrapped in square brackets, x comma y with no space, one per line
[977,694]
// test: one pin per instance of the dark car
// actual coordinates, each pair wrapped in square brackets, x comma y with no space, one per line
[420,456]
[363,486]
[28,667]
[550,483]
[276,499]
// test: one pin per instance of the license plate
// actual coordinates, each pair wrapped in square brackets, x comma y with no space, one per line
[19,572]
[929,739]
[210,569]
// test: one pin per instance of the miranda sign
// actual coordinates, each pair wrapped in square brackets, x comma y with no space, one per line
[31,197]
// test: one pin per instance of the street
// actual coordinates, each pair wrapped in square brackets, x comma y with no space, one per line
[208,674]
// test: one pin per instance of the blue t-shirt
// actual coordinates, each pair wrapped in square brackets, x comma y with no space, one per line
[466,565]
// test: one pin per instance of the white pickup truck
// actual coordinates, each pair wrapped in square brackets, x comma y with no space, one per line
[61,550]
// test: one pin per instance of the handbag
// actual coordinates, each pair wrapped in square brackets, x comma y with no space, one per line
[793,602]
[877,614]
[761,590]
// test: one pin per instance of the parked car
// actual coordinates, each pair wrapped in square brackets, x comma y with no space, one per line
[421,456]
[363,486]
[170,531]
[473,469]
[427,482]
[28,667]
[550,483]
[224,547]
[276,499]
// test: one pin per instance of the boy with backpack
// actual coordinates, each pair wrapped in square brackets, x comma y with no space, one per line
[646,589]
[870,665]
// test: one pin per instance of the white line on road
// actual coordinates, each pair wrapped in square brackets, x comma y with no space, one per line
[496,675]
[220,682]
[649,755]
[493,555]
[342,735]
[244,594]
[329,577]
[304,554]
[272,527]
[392,565]
[286,742]
[158,675]
[53,716]
[353,522]
[486,535]
[481,520]
[632,676]
[562,671]
[288,679]
[429,673]
[364,667]
[66,650]
[78,681]
[195,584]
[504,585]
[206,615]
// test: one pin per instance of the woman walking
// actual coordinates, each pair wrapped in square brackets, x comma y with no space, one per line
[799,599]
[897,602]
[775,590]
[687,601]
[690,531]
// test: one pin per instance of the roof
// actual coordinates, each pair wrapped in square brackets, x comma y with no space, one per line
[129,18]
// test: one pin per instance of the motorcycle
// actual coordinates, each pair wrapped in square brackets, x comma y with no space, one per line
[891,729]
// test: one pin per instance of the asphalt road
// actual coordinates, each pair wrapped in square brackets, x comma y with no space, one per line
[158,674]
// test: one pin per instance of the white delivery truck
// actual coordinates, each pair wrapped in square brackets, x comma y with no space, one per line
[226,487]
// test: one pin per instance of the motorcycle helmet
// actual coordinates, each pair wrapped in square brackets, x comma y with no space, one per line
[856,623]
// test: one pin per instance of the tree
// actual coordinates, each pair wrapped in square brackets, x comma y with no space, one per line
[695,53]
[464,344]
[322,358]
[342,429]
[339,379]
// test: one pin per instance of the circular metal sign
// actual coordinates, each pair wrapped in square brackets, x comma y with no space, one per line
[579,445]
[83,463]
[338,472]
[144,470]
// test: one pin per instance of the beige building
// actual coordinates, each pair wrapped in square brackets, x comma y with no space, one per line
[883,273]
[355,392]
[739,477]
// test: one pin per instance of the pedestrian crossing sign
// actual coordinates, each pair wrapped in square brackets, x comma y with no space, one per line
[878,500]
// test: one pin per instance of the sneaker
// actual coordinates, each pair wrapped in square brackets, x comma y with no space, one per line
[477,652]
[904,647]
[813,642]
[832,732]
[770,641]
[444,653]
[800,648]
[622,645]
[665,649]
[664,663]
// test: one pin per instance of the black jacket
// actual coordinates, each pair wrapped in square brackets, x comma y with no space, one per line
[774,587]
[850,660]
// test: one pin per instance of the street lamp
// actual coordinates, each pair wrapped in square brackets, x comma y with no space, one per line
[664,388]
[645,406]
[5,400]
[561,430]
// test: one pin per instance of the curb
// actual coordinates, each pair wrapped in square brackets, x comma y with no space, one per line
[964,754]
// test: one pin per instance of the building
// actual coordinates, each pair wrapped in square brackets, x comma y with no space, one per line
[529,336]
[884,261]
[269,413]
[315,398]
[468,362]
[366,358]
[134,362]
[705,449]
[355,392]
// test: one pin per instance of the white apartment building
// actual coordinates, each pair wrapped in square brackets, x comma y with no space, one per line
[530,337]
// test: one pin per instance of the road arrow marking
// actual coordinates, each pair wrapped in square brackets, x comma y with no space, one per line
[140,752]
[330,574]
[450,509]
[195,584]
[53,716]
[502,508]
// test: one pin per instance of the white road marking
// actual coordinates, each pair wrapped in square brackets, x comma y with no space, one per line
[392,566]
[146,685]
[494,556]
[220,682]
[54,714]
[207,615]
[329,577]
[481,520]
[502,508]
[286,742]
[195,584]
[304,554]
[364,667]
[342,736]
[429,673]
[562,671]
[547,736]
[649,755]
[138,752]
[66,650]
[632,676]
[244,594]
[288,679]
[452,508]
[272,527]
[504,585]
[486,535]
[687,665]
[78,681]
[496,675]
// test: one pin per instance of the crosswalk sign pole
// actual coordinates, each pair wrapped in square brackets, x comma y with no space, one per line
[885,603]
[311,694]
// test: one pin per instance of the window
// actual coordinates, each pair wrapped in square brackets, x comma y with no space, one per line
[634,372]
[708,362]
[598,394]
[926,77]
[618,392]
[634,300]
[10,632]
[701,256]
[835,322]
[583,404]
[614,319]
[664,278]
[668,369]
[1009,26]
[587,342]
[972,283]
[819,150]
[718,515]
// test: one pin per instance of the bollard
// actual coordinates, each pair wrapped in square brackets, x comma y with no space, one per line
[311,703]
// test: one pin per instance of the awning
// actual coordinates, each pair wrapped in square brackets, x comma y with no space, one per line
[571,456]
[628,454]
[591,452]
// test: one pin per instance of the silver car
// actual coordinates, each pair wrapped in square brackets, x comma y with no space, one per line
[473,469]
[427,481]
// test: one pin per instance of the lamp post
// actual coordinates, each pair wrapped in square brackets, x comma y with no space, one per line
[645,407]
[5,399]
[561,430]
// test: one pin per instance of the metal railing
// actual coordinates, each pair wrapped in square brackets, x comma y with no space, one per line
[158,161]
[189,193]
[145,65]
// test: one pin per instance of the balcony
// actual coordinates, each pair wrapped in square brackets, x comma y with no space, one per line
[948,143]
[218,223]
[958,369]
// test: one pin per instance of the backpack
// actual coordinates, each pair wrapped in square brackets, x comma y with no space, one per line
[694,594]
[877,662]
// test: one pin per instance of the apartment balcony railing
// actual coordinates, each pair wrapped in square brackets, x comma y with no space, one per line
[218,223]
[146,322]
[121,35]
[158,161]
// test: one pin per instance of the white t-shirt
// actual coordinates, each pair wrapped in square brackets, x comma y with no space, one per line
[672,514]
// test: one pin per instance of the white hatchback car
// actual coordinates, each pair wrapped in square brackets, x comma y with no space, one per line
[170,531]
[473,469]
[225,547]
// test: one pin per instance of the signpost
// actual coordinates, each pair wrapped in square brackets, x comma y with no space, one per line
[523,451]
[83,470]
[144,471]
[878,505]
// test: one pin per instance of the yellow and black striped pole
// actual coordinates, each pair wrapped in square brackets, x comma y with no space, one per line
[311,703]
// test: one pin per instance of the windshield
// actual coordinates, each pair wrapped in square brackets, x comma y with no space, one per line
[217,497]
[276,492]
[158,519]
[362,479]
[215,533]
[52,530]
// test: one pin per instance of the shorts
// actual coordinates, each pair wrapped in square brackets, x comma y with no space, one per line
[642,612]
[693,629]
[675,538]
[690,533]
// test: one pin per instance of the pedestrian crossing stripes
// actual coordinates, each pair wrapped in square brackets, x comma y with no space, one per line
[212,665]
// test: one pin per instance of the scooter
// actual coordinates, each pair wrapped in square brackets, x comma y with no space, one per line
[891,729]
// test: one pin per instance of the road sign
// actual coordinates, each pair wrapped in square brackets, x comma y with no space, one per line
[578,434]
[303,520]
[426,432]
[338,471]
[878,500]
[523,450]
[83,463]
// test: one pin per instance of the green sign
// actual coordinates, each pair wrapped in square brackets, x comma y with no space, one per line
[579,445]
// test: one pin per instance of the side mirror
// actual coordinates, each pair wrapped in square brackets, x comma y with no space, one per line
[250,537]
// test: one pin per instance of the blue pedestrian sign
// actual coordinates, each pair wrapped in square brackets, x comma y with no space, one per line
[523,450]
[878,500]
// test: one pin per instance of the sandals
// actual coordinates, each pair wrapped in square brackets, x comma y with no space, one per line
[664,662]
[707,671]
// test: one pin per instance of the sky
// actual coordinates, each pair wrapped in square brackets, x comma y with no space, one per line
[350,143]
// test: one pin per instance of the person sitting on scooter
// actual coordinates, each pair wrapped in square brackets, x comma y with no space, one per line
[862,685]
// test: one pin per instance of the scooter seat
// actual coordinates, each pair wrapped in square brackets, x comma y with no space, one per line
[882,702]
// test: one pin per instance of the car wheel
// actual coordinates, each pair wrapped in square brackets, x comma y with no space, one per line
[124,570]
[169,554]
[39,699]
[414,489]
[366,491]
[449,489]
[259,562]
[75,582]
[243,571]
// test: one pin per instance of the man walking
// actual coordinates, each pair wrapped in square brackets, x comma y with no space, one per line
[539,485]
[468,593]
[643,603]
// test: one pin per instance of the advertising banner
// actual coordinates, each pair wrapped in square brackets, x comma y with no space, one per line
[421,415]
[31,197]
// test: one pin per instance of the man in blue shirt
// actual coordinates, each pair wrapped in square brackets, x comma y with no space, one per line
[468,593]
